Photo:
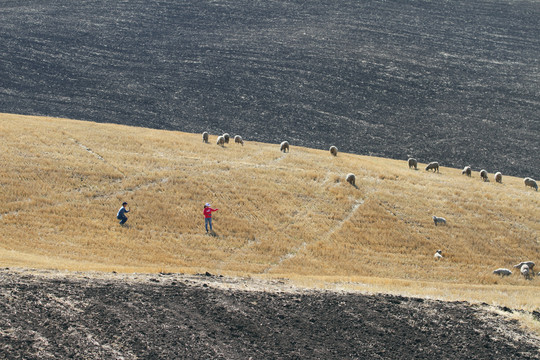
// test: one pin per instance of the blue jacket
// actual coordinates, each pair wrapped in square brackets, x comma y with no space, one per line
[121,212]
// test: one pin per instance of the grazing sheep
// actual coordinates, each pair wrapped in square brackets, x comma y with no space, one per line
[433,166]
[439,220]
[526,272]
[498,177]
[530,264]
[226,137]
[205,137]
[333,150]
[220,140]
[413,163]
[284,146]
[438,255]
[466,171]
[484,175]
[238,140]
[351,179]
[531,182]
[502,272]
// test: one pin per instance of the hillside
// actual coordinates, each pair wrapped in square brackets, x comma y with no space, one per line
[280,215]
[455,80]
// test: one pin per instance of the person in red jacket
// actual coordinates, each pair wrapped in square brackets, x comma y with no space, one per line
[208,216]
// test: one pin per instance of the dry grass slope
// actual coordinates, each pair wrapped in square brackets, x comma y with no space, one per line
[281,215]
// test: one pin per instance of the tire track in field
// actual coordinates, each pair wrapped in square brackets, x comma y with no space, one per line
[325,237]
[96,155]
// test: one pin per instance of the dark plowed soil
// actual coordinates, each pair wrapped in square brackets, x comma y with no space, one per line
[173,316]
[456,81]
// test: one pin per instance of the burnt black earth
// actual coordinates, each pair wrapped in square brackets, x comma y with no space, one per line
[170,316]
[454,81]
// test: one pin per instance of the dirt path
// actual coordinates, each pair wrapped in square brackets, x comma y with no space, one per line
[59,315]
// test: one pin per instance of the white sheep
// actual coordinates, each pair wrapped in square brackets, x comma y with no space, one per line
[333,150]
[205,136]
[502,272]
[466,171]
[530,264]
[484,175]
[526,272]
[498,177]
[439,220]
[433,166]
[226,137]
[238,140]
[351,179]
[531,182]
[284,146]
[413,163]
[220,140]
[438,255]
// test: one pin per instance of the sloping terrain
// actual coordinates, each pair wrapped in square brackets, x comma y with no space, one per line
[288,215]
[284,219]
[170,316]
[454,81]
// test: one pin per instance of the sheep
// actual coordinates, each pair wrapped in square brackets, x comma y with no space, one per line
[413,163]
[284,146]
[530,264]
[433,166]
[526,272]
[439,220]
[498,177]
[226,137]
[531,182]
[205,137]
[238,140]
[466,171]
[438,255]
[220,140]
[333,150]
[351,179]
[484,175]
[502,272]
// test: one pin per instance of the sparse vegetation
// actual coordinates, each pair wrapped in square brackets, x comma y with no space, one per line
[291,216]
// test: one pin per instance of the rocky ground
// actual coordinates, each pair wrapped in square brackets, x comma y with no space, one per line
[456,81]
[51,315]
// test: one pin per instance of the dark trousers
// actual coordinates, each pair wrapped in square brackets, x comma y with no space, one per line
[123,219]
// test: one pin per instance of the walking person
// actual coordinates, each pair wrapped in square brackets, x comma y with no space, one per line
[122,213]
[208,217]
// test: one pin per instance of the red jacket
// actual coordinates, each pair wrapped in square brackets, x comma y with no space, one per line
[208,212]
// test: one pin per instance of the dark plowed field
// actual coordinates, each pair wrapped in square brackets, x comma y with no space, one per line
[174,317]
[453,81]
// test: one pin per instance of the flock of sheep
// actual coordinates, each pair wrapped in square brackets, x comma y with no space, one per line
[526,267]
[223,139]
[468,171]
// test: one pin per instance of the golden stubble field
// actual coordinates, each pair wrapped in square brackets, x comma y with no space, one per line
[281,216]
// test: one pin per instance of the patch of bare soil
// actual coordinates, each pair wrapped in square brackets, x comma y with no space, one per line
[167,316]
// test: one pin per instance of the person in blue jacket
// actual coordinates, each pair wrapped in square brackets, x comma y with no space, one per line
[122,213]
